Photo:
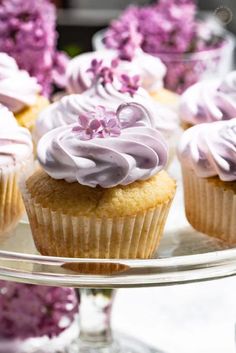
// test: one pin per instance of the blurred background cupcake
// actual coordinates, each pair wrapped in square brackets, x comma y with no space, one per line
[150,70]
[208,101]
[207,154]
[16,157]
[37,319]
[20,92]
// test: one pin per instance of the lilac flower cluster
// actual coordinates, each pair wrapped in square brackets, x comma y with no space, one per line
[98,124]
[34,311]
[105,74]
[27,33]
[124,34]
[163,29]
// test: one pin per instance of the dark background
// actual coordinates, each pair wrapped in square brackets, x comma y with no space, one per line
[78,20]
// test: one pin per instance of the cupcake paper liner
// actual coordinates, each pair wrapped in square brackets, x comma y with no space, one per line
[11,203]
[58,234]
[210,208]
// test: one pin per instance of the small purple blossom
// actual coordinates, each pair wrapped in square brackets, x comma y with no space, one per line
[88,127]
[34,311]
[100,123]
[101,73]
[106,75]
[129,84]
[95,67]
[28,34]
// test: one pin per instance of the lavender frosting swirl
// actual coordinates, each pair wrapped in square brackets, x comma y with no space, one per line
[17,88]
[136,154]
[66,110]
[15,141]
[149,68]
[209,101]
[210,149]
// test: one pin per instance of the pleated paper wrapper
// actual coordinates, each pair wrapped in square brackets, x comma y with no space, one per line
[11,204]
[58,234]
[210,208]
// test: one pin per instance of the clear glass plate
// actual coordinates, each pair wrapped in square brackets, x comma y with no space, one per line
[184,255]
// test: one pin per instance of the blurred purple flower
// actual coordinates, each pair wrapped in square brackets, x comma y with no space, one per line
[34,311]
[28,33]
[95,67]
[100,123]
[101,73]
[124,34]
[166,27]
[129,84]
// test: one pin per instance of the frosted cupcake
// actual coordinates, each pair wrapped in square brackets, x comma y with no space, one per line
[37,319]
[20,92]
[208,157]
[108,88]
[209,101]
[151,70]
[16,151]
[102,191]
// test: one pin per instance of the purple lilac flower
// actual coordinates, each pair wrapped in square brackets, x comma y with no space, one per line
[88,127]
[124,34]
[156,28]
[101,73]
[28,34]
[129,84]
[34,311]
[105,75]
[95,67]
[164,28]
[100,123]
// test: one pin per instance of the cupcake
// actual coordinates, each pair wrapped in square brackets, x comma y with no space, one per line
[16,154]
[20,92]
[151,70]
[208,157]
[208,101]
[109,87]
[102,191]
[37,319]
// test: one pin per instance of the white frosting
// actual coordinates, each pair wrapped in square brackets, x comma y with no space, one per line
[210,149]
[17,88]
[15,141]
[150,69]
[209,100]
[67,110]
[136,153]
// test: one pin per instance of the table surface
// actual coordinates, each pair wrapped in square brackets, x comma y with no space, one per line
[190,318]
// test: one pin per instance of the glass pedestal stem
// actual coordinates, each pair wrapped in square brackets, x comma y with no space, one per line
[95,320]
[95,327]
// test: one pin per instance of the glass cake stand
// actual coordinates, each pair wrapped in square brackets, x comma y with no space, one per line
[184,256]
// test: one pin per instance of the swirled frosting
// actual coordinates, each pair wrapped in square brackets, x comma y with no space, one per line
[135,153]
[149,68]
[15,141]
[210,100]
[210,149]
[66,110]
[17,88]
